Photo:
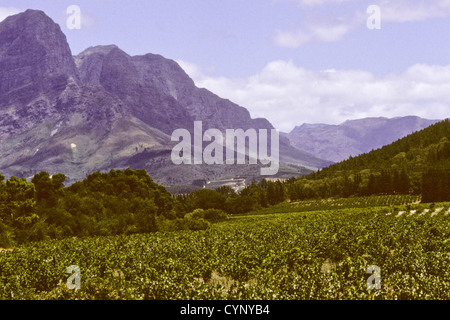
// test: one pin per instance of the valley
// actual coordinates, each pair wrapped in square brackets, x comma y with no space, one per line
[122,179]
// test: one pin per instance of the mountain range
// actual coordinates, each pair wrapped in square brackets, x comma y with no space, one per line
[354,137]
[105,109]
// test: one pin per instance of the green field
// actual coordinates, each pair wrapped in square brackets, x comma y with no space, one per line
[331,204]
[321,254]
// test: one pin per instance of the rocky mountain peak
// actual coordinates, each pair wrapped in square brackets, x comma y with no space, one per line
[105,109]
[35,57]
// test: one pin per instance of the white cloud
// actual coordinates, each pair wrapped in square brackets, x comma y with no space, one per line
[409,11]
[7,11]
[314,33]
[399,11]
[288,95]
[318,29]
[394,10]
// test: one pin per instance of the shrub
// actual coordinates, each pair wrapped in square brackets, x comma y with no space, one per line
[197,224]
[215,215]
[211,215]
[196,214]
[167,225]
[6,236]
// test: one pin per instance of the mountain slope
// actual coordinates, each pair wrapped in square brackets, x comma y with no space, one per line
[351,138]
[104,109]
[418,163]
[416,152]
[157,90]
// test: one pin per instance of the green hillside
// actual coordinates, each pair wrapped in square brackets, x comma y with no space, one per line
[429,147]
[416,164]
[129,202]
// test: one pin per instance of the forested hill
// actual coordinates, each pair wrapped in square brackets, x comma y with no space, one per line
[418,163]
[420,150]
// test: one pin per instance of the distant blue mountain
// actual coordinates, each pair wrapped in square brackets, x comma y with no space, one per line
[353,137]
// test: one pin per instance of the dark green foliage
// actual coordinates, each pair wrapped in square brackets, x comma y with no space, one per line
[211,215]
[226,191]
[129,201]
[207,199]
[436,185]
[118,202]
[215,215]
[275,192]
[6,236]
[322,255]
[418,163]
[241,204]
[420,149]
[48,189]
[17,210]
[197,224]
[252,197]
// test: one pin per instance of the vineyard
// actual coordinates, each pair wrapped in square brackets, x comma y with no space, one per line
[353,202]
[297,255]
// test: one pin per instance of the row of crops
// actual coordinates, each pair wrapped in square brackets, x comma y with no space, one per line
[352,202]
[307,255]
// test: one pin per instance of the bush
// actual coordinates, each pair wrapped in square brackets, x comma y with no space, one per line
[6,236]
[167,225]
[241,204]
[215,215]
[211,215]
[207,199]
[196,214]
[197,224]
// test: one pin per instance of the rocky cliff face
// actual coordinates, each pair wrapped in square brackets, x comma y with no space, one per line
[35,61]
[112,70]
[355,137]
[103,109]
[159,92]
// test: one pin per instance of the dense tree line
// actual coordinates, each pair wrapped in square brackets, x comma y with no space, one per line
[118,202]
[428,147]
[252,197]
[436,186]
[129,201]
[416,164]
[344,185]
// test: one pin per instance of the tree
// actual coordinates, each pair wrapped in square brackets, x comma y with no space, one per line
[48,189]
[436,185]
[19,200]
[208,199]
[227,191]
[401,183]
[241,204]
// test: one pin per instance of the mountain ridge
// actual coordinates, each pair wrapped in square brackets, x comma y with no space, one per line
[415,164]
[353,137]
[103,109]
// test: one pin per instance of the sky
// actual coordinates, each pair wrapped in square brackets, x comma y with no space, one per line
[290,61]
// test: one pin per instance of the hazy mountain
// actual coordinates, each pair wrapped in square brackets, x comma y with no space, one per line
[105,109]
[353,137]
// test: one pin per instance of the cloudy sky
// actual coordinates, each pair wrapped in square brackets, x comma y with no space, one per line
[290,61]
